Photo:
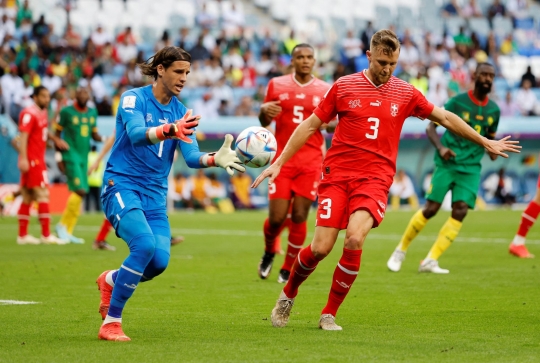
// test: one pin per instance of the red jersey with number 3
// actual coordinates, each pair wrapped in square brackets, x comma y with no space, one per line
[366,139]
[297,102]
[34,121]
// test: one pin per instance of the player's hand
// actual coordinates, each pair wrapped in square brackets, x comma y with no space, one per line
[446,153]
[180,129]
[492,156]
[271,109]
[93,167]
[60,144]
[271,173]
[226,157]
[61,167]
[498,147]
[23,165]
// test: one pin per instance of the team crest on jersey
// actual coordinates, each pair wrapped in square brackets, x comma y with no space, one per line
[148,117]
[316,101]
[490,120]
[354,103]
[466,116]
[75,120]
[283,96]
[394,108]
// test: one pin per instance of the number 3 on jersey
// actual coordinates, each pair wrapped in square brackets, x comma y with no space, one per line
[298,112]
[374,127]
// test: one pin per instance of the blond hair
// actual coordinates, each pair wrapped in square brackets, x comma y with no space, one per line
[386,41]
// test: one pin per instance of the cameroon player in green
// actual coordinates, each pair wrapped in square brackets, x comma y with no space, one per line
[457,168]
[77,125]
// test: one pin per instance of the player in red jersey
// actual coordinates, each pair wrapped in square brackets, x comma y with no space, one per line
[33,126]
[359,166]
[289,100]
[529,216]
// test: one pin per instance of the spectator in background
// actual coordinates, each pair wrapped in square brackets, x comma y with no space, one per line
[508,45]
[233,58]
[100,37]
[402,189]
[197,76]
[72,38]
[95,181]
[233,19]
[213,71]
[206,106]
[509,107]
[264,65]
[517,9]
[216,192]
[224,108]
[165,41]
[288,44]
[499,186]
[24,13]
[245,107]
[339,72]
[209,41]
[528,76]
[352,48]
[51,81]
[10,83]
[204,18]
[408,55]
[420,82]
[126,51]
[240,190]
[40,29]
[126,37]
[438,95]
[195,189]
[471,10]
[133,76]
[526,99]
[495,9]
[7,27]
[451,9]
[222,91]
[199,52]
[366,35]
[185,41]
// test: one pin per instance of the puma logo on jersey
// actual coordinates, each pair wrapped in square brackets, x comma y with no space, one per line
[163,121]
[301,96]
[354,103]
[376,103]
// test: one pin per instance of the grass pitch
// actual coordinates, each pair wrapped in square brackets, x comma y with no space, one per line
[210,305]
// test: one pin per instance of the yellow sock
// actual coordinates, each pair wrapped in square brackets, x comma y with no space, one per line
[447,235]
[72,212]
[416,224]
[395,202]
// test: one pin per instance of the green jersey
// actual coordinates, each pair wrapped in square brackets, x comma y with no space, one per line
[77,127]
[483,117]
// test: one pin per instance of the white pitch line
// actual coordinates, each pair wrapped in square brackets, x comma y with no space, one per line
[17,302]
[243,233]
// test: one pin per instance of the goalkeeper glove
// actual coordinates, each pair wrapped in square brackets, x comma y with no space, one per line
[178,130]
[225,158]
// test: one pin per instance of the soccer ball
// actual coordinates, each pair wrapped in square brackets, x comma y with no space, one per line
[256,146]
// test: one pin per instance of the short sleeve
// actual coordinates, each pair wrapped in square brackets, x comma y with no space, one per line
[450,105]
[269,96]
[422,107]
[130,108]
[326,111]
[493,124]
[26,122]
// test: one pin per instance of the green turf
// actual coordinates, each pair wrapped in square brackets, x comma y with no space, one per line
[211,306]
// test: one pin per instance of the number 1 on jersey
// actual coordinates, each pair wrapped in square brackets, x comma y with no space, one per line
[374,127]
[298,112]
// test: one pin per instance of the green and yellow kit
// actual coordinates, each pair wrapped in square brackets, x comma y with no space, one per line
[461,174]
[77,127]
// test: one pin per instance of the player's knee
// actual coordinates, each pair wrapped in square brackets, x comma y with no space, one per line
[430,210]
[142,247]
[320,252]
[276,220]
[354,242]
[298,217]
[459,210]
[159,263]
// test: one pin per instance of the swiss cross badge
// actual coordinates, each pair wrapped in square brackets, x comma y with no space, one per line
[394,109]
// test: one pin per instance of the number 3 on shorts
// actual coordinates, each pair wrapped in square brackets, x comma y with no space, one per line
[271,188]
[327,206]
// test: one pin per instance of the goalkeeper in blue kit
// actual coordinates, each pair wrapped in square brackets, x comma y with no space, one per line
[150,124]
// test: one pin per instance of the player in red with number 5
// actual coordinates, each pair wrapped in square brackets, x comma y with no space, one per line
[359,166]
[289,101]
[33,126]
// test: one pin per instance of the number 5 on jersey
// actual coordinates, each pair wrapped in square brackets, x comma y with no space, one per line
[298,112]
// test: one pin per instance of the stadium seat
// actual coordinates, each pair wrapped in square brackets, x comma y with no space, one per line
[454,23]
[480,26]
[502,26]
[383,16]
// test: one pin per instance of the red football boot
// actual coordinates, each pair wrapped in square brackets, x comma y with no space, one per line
[106,293]
[113,331]
[520,251]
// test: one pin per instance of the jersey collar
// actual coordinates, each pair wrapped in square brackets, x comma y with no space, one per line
[305,84]
[78,109]
[476,101]
[373,84]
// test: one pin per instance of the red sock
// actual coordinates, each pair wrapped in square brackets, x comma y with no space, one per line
[44,219]
[297,236]
[528,218]
[344,276]
[270,235]
[24,219]
[303,266]
[105,228]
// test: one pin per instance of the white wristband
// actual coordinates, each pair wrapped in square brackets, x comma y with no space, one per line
[152,136]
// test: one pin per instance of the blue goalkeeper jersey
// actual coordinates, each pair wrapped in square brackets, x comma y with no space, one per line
[135,163]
